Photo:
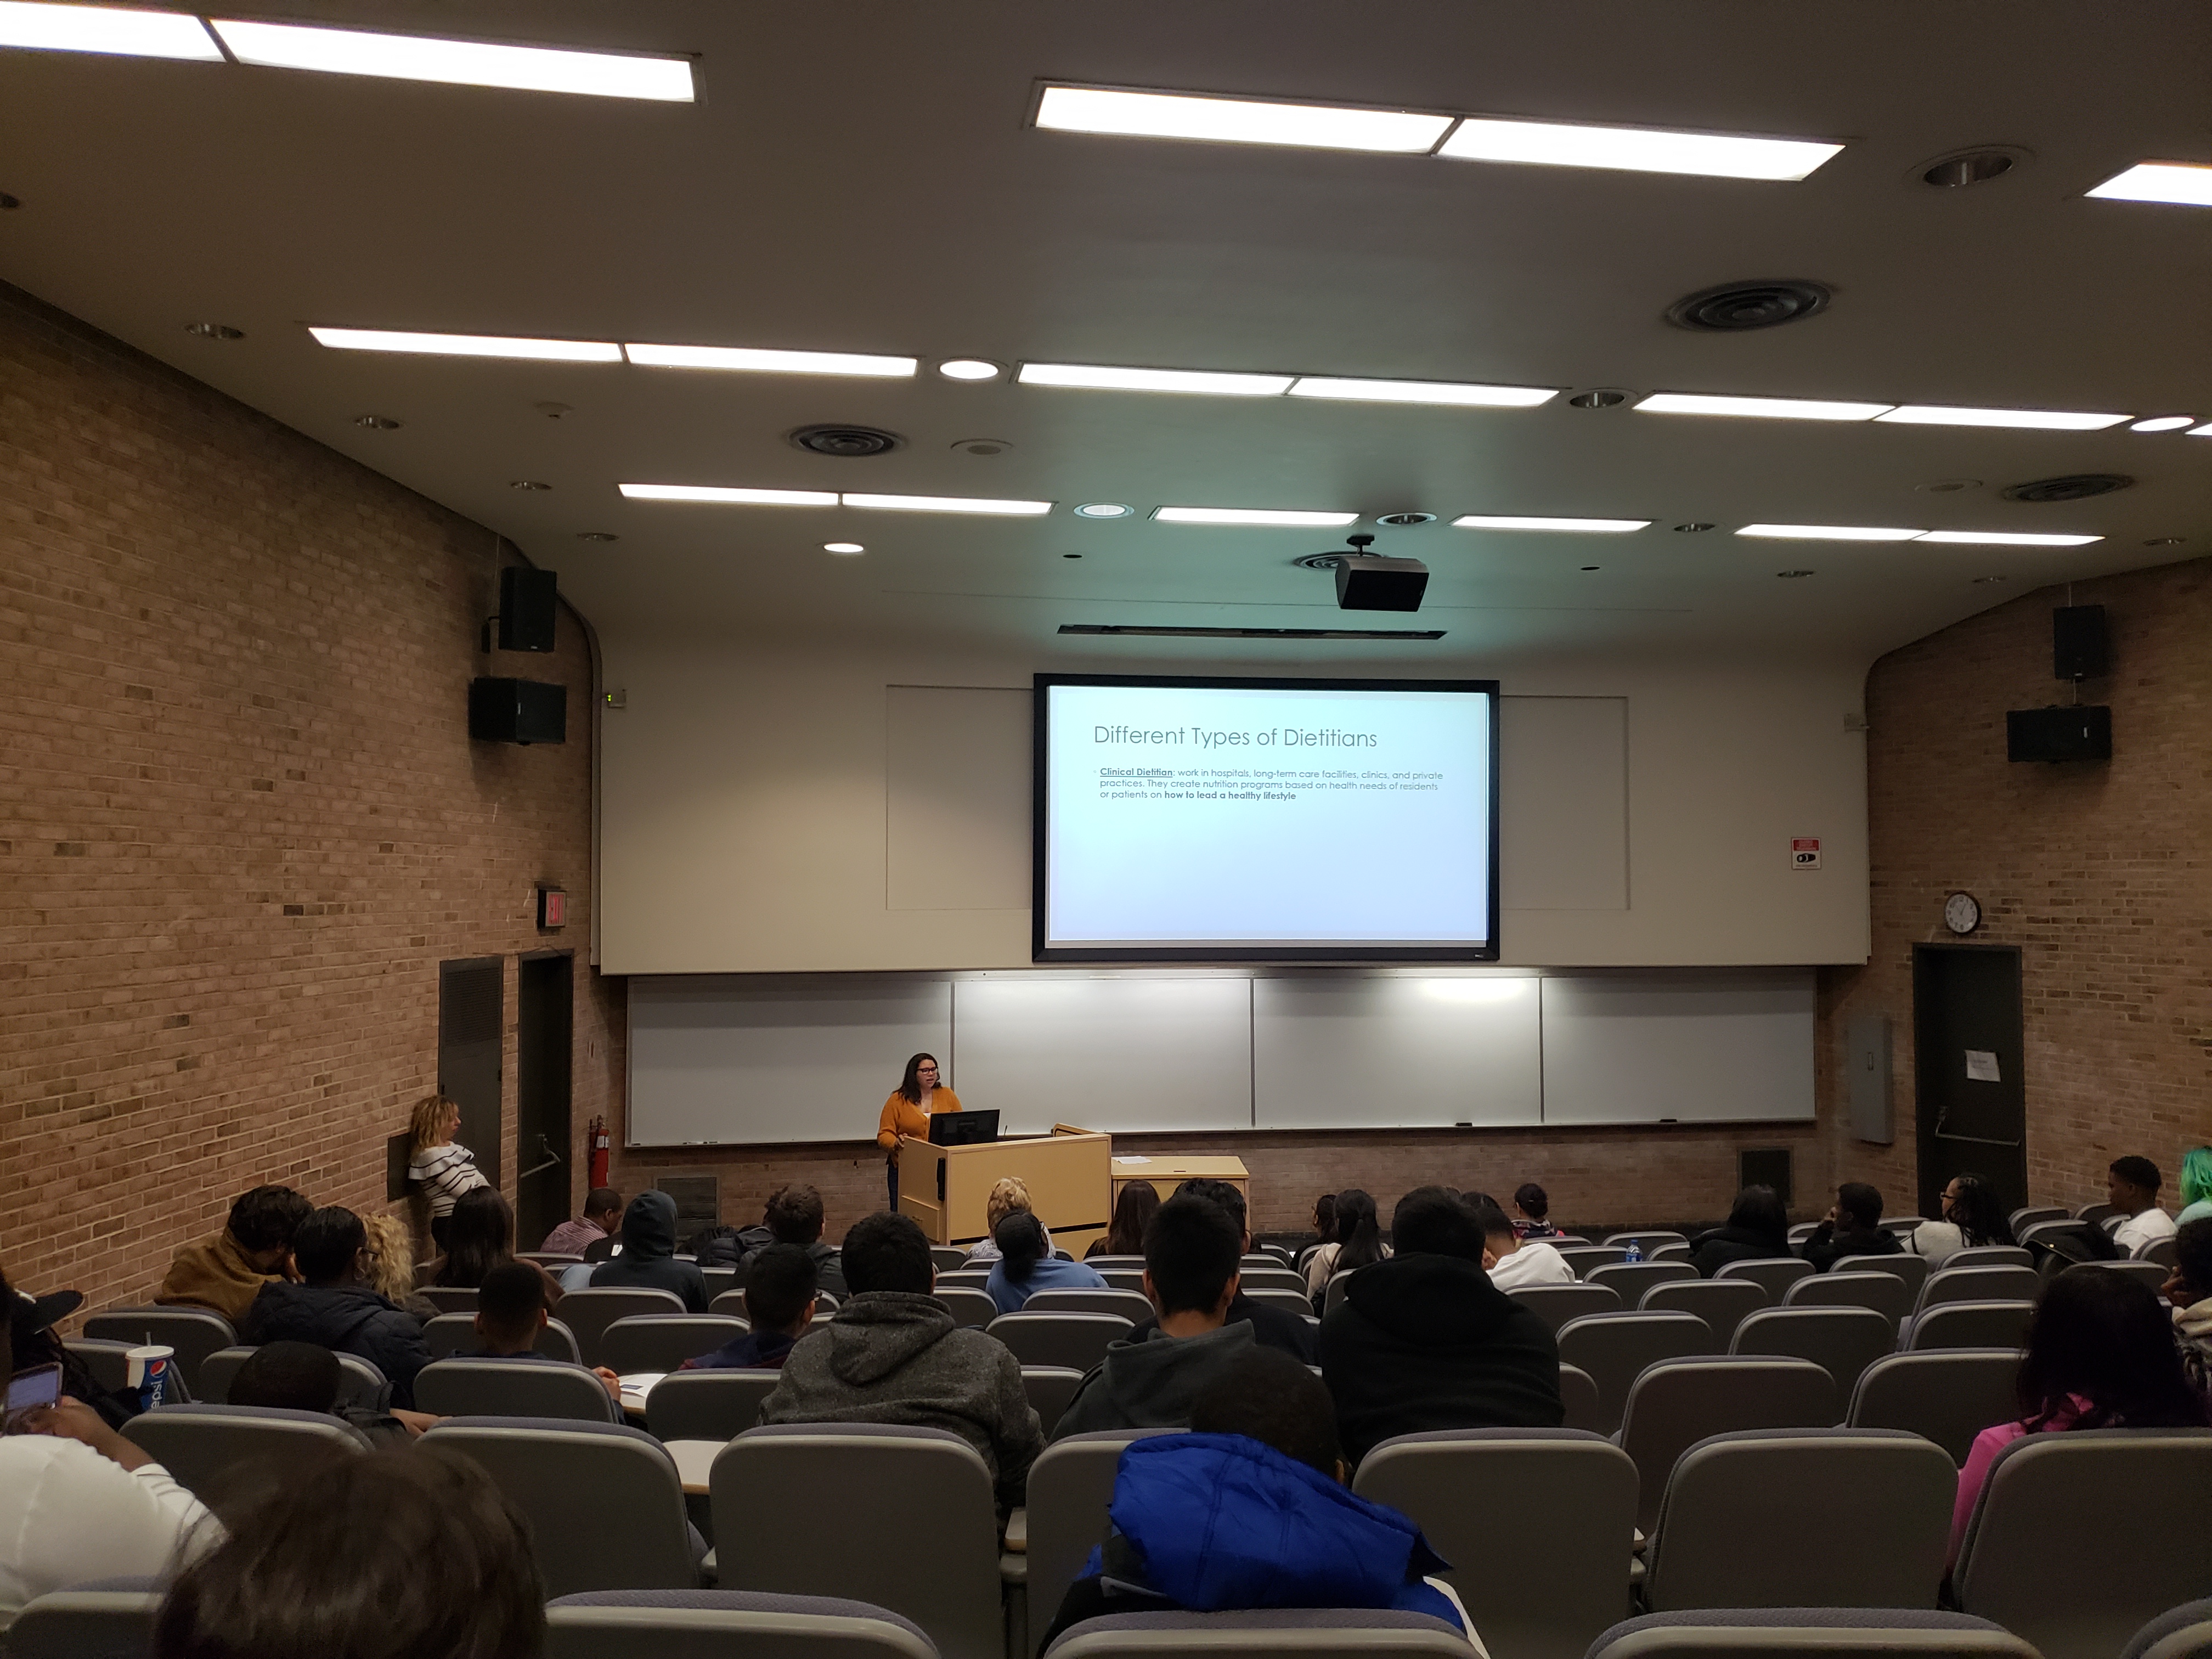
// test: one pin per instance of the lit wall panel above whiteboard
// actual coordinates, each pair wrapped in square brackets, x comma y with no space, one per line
[1330,1051]
[1688,1047]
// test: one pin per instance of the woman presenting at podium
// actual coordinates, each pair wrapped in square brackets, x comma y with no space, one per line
[909,1110]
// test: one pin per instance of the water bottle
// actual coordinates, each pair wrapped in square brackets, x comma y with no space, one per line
[1636,1250]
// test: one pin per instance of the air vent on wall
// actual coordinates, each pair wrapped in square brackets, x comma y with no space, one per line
[1734,307]
[845,440]
[1257,633]
[2075,487]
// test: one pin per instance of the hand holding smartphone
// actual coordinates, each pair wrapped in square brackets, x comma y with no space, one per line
[28,1391]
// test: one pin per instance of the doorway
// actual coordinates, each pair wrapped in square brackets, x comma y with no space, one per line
[472,1001]
[544,1010]
[1971,1097]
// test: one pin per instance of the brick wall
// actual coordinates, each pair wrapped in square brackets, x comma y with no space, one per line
[2098,872]
[240,818]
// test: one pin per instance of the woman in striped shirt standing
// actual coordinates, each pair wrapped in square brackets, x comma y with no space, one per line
[443,1171]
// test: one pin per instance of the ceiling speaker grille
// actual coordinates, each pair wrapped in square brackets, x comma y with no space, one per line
[2074,487]
[1734,307]
[845,440]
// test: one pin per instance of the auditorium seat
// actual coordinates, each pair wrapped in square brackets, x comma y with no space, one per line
[512,1388]
[1578,1394]
[193,1333]
[1733,1528]
[1070,1485]
[726,1625]
[1842,1341]
[1555,1304]
[587,1312]
[551,1260]
[1051,1388]
[1275,1277]
[1670,1253]
[1902,1224]
[1912,1269]
[2182,1632]
[1722,1303]
[974,1278]
[1289,1301]
[1630,1279]
[721,1281]
[2141,1547]
[2044,1232]
[2095,1214]
[2028,1215]
[108,1361]
[1275,1633]
[2006,1283]
[1803,1230]
[1535,1591]
[1883,1293]
[1948,1395]
[713,1405]
[1128,1304]
[360,1383]
[947,1258]
[924,1542]
[1648,1238]
[968,1307]
[451,1335]
[1583,1257]
[1119,1279]
[2165,1252]
[2148,1272]
[1969,1325]
[604,1501]
[1989,1256]
[1334,1295]
[730,1304]
[208,1448]
[449,1298]
[1777,1272]
[1814,1632]
[662,1342]
[1676,1403]
[109,1619]
[1079,1340]
[1614,1348]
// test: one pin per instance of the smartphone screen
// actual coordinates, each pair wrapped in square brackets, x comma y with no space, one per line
[27,1390]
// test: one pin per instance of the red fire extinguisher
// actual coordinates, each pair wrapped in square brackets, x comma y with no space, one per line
[599,1134]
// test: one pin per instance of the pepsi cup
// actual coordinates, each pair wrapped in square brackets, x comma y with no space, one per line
[146,1372]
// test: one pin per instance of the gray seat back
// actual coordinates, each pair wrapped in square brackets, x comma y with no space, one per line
[1584,1257]
[2006,1283]
[1293,1632]
[925,1544]
[2081,1592]
[1049,1388]
[2165,1252]
[551,1260]
[662,1342]
[1972,1325]
[1275,1277]
[587,1313]
[86,1623]
[1614,1348]
[1843,1340]
[1790,1632]
[450,1335]
[2028,1215]
[360,1383]
[717,1624]
[194,1333]
[1332,1294]
[1289,1301]
[1555,1304]
[1536,1592]
[1777,1272]
[512,1388]
[449,1298]
[1579,1394]
[968,1307]
[217,1451]
[1728,1492]
[1677,1403]
[1650,1238]
[947,1258]
[1901,1264]
[1122,1279]
[711,1405]
[974,1278]
[1948,1395]
[1126,1304]
[634,1536]
[1882,1293]
[107,1360]
[2182,1632]
[2148,1272]
[1989,1256]
[1722,1303]
[1070,1485]
[1078,1340]
[1630,1279]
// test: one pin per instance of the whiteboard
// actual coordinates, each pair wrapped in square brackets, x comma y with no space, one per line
[1405,1053]
[1122,1052]
[1686,1046]
[728,1059]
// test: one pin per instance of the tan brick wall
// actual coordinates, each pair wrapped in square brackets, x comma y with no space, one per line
[240,819]
[2097,873]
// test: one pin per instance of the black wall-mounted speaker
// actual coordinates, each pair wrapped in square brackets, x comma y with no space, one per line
[527,601]
[1364,583]
[2081,647]
[1764,1166]
[2083,733]
[518,711]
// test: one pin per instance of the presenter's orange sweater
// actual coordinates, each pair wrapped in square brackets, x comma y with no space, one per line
[903,1117]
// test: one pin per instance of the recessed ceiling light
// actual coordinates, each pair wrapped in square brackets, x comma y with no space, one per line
[658,492]
[842,547]
[467,345]
[1425,392]
[1238,121]
[1277,517]
[2185,184]
[1071,556]
[1097,378]
[1636,150]
[122,31]
[1590,567]
[1792,575]
[1695,527]
[1604,398]
[2161,424]
[1828,533]
[377,423]
[1948,486]
[1593,526]
[968,368]
[457,62]
[597,536]
[214,330]
[1972,167]
[2053,420]
[2165,541]
[2007,538]
[762,361]
[1979,580]
[1778,408]
[1404,520]
[949,504]
[1104,510]
[530,484]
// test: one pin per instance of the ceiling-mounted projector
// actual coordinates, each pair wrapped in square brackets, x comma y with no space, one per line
[1367,581]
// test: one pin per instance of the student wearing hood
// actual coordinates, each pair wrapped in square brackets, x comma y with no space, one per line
[647,1261]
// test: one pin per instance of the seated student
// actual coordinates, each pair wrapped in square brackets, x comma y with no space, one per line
[603,1210]
[1150,1378]
[648,1260]
[1853,1227]
[1250,1510]
[1974,1214]
[1132,1212]
[1758,1230]
[2100,1355]
[1358,1242]
[335,1307]
[510,1312]
[226,1271]
[780,1304]
[793,1216]
[892,1354]
[414,1553]
[720,1246]
[1026,1264]
[1424,1341]
[1008,1193]
[1272,1326]
[391,1267]
[2131,1187]
[302,1377]
[78,1501]
[2189,1288]
[1532,1212]
[2196,1185]
[479,1235]
[1512,1259]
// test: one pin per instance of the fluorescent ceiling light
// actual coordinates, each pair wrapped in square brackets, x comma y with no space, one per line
[2162,424]
[768,363]
[2007,538]
[2205,431]
[1425,391]
[948,504]
[1238,121]
[1255,515]
[2053,420]
[648,492]
[1829,532]
[457,62]
[1635,149]
[468,345]
[1778,408]
[2185,183]
[115,29]
[1100,378]
[1508,521]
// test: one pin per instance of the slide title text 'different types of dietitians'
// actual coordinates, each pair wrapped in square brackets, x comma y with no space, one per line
[1284,737]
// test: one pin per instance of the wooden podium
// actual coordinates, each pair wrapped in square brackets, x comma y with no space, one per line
[944,1187]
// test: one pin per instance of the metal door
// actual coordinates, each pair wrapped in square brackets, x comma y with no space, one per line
[1971,1099]
[543,1006]
[472,1001]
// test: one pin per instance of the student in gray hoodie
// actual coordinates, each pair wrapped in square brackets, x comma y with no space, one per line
[892,1354]
[1151,1381]
[647,1261]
